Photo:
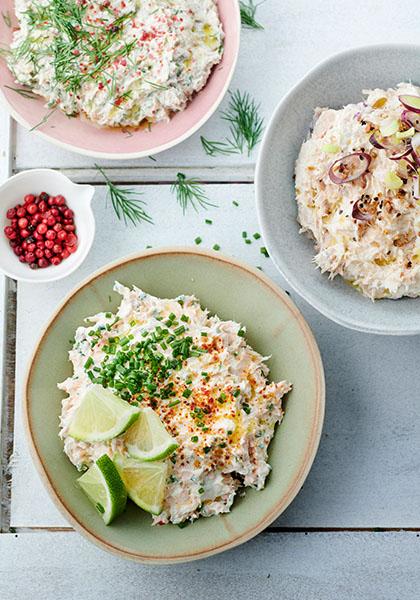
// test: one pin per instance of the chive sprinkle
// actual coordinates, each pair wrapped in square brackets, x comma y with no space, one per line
[198,240]
[194,438]
[174,403]
[208,222]
[216,247]
[264,251]
[256,236]
[244,234]
[88,363]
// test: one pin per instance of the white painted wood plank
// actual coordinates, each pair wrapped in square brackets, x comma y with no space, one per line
[366,472]
[327,566]
[297,35]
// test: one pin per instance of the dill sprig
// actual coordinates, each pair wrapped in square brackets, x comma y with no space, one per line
[7,19]
[189,192]
[44,119]
[248,11]
[246,127]
[126,206]
[25,93]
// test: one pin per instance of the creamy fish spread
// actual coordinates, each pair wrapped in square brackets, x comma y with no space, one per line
[357,190]
[208,386]
[119,62]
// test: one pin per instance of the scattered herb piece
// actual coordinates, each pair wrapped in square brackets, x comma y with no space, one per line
[208,222]
[235,203]
[216,247]
[264,251]
[174,403]
[7,19]
[194,438]
[244,234]
[247,241]
[248,11]
[198,240]
[256,236]
[125,204]
[189,192]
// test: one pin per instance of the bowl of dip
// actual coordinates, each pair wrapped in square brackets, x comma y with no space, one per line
[358,216]
[149,77]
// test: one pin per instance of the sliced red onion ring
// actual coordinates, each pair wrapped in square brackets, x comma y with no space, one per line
[349,167]
[399,152]
[394,151]
[411,119]
[415,148]
[410,102]
[358,214]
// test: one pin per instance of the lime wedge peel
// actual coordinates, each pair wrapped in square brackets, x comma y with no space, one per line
[145,482]
[148,440]
[101,416]
[104,487]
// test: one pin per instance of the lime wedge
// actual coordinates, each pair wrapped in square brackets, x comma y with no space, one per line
[101,416]
[145,482]
[147,439]
[103,486]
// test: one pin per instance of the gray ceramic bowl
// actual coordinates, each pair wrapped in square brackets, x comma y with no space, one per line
[334,83]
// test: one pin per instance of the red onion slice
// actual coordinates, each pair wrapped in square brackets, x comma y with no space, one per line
[349,167]
[394,151]
[411,119]
[358,214]
[410,102]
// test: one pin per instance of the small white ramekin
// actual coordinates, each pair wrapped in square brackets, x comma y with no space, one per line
[78,198]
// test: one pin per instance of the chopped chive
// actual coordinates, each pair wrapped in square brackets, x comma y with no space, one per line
[244,234]
[207,449]
[246,408]
[236,393]
[256,236]
[247,241]
[198,240]
[216,247]
[204,334]
[208,222]
[194,438]
[235,203]
[187,393]
[241,333]
[174,403]
[264,251]
[88,363]
[185,318]
[179,330]
[201,490]
[108,315]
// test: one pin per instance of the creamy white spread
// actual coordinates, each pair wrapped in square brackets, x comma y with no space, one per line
[379,256]
[214,397]
[119,62]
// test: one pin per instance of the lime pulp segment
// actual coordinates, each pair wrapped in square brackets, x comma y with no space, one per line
[145,482]
[148,440]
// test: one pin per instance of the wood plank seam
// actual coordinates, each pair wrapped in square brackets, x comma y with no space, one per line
[7,421]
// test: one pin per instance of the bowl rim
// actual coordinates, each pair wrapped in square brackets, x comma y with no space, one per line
[45,278]
[142,153]
[294,281]
[311,445]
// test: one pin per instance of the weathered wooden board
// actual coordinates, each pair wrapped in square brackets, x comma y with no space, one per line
[317,566]
[366,472]
[297,35]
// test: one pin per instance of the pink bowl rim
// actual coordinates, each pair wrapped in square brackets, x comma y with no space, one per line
[151,151]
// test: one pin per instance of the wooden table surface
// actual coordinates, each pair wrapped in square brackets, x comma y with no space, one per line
[353,531]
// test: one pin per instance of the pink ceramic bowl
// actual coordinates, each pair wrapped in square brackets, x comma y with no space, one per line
[85,138]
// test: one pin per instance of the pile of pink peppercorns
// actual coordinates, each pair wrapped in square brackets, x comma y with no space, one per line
[41,230]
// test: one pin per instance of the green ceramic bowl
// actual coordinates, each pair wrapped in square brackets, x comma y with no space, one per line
[275,327]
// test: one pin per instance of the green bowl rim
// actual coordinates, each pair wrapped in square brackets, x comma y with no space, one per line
[312,443]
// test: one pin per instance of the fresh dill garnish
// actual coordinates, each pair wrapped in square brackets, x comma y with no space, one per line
[7,19]
[212,147]
[124,202]
[248,11]
[189,192]
[25,93]
[246,127]
[44,119]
